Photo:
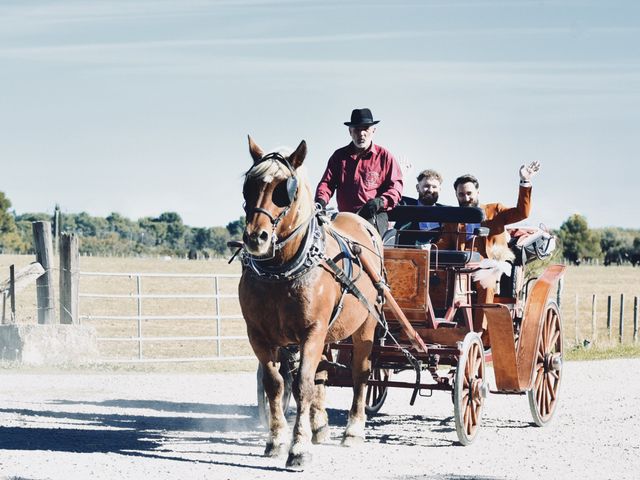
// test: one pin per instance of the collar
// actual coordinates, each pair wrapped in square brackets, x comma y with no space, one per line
[307,256]
[367,154]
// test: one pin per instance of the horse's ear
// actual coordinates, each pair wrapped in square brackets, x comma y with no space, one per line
[297,157]
[256,152]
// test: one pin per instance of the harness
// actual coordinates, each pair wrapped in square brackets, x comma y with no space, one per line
[305,258]
[310,255]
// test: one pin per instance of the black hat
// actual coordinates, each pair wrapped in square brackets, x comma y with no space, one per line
[361,117]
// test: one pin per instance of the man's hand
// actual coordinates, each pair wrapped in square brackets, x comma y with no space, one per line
[372,207]
[528,171]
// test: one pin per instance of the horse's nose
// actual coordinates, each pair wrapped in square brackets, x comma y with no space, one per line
[255,239]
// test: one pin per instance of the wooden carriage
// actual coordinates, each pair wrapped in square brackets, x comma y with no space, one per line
[431,330]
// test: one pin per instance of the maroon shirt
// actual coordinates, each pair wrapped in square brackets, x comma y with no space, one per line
[361,177]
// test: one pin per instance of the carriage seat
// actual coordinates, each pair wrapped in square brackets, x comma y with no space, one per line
[407,218]
[453,258]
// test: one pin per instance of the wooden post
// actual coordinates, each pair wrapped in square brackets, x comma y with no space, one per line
[69,278]
[139,295]
[609,316]
[594,329]
[12,291]
[44,284]
[576,317]
[635,319]
[56,230]
[621,326]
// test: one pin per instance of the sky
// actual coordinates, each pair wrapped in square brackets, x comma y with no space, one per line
[144,106]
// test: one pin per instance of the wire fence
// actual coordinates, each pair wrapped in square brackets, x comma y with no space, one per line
[600,319]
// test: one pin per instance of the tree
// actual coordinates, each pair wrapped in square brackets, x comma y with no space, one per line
[7,222]
[175,229]
[615,244]
[236,227]
[10,237]
[578,242]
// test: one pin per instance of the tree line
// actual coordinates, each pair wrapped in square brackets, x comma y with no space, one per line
[168,235]
[115,234]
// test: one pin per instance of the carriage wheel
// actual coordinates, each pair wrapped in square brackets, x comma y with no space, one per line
[376,395]
[263,402]
[470,388]
[543,396]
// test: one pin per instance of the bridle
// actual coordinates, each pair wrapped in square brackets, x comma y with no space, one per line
[291,191]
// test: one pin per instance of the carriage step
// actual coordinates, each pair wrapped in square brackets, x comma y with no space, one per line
[444,324]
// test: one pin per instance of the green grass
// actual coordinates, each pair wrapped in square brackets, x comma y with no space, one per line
[603,353]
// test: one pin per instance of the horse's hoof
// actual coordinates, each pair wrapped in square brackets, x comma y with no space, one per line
[298,461]
[274,449]
[352,441]
[321,435]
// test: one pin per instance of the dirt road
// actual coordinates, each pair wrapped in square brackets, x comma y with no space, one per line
[196,426]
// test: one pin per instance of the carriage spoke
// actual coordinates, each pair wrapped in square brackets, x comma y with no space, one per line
[466,419]
[552,393]
[554,339]
[539,389]
[544,338]
[474,414]
[547,399]
[539,378]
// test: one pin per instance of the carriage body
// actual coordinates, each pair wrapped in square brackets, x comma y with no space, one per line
[435,292]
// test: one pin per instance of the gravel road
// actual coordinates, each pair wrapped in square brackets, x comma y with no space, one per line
[196,426]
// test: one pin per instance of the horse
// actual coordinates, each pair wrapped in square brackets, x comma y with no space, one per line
[303,284]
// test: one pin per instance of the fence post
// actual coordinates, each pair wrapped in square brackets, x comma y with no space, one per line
[576,317]
[594,329]
[44,284]
[218,326]
[559,291]
[139,292]
[609,316]
[12,291]
[69,277]
[621,326]
[635,319]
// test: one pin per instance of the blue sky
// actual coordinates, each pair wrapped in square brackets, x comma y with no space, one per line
[143,106]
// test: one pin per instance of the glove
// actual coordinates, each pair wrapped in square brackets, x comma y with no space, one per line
[322,203]
[372,207]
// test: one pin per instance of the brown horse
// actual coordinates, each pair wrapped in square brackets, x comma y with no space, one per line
[290,294]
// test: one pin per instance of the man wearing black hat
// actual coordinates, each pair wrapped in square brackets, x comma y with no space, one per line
[366,177]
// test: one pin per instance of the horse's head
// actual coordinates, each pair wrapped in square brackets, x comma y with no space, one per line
[277,202]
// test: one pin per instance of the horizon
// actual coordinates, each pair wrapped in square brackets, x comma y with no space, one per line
[143,107]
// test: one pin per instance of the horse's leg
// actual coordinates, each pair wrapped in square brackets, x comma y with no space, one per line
[319,417]
[274,388]
[310,353]
[360,368]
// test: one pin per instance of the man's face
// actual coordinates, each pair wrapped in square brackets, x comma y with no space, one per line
[467,194]
[428,190]
[362,136]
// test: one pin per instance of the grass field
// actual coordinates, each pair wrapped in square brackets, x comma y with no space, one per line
[580,282]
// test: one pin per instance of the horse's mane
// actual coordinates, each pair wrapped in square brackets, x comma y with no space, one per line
[272,169]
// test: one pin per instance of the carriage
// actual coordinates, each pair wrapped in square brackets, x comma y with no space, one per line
[429,328]
[327,301]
